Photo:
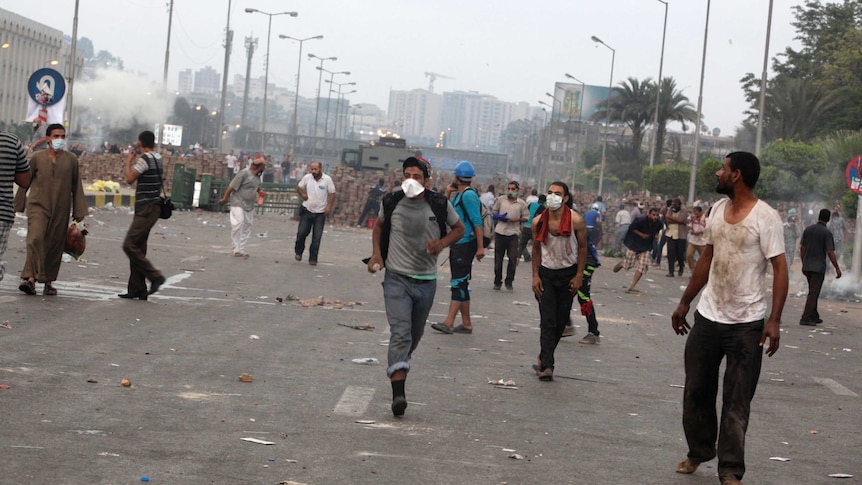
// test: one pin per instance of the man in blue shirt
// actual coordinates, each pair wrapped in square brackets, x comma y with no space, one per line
[639,238]
[467,205]
[593,220]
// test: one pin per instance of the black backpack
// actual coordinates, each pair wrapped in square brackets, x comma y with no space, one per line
[438,205]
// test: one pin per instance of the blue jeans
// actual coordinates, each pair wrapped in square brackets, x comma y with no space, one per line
[408,302]
[307,221]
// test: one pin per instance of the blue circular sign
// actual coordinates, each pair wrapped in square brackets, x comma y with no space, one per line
[46,86]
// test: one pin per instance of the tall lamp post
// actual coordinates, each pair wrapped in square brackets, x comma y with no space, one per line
[762,101]
[542,162]
[266,70]
[654,148]
[578,137]
[691,179]
[228,45]
[608,118]
[342,117]
[329,96]
[319,84]
[293,127]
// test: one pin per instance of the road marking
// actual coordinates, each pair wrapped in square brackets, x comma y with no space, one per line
[835,387]
[354,400]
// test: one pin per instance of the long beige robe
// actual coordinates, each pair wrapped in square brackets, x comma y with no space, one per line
[55,191]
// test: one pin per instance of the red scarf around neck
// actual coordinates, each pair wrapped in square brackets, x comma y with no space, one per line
[565,229]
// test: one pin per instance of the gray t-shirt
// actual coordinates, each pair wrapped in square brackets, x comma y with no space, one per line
[413,225]
[244,186]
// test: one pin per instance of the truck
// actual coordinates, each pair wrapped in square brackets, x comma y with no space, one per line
[384,154]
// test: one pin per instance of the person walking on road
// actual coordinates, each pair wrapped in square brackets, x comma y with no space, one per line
[639,241]
[318,194]
[559,260]
[461,254]
[509,212]
[243,193]
[791,235]
[372,203]
[55,191]
[817,244]
[743,237]
[147,171]
[677,236]
[14,168]
[415,226]
[696,225]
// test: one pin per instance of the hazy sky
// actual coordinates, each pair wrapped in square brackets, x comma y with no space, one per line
[514,50]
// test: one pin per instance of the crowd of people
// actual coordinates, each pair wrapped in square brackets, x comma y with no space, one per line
[727,246]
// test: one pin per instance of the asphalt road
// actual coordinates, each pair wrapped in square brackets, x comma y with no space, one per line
[611,416]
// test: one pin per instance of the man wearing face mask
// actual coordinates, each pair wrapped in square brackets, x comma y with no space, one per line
[559,260]
[318,193]
[55,191]
[243,192]
[509,212]
[414,226]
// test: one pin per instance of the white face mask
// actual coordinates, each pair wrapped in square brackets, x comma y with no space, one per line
[412,188]
[554,201]
[58,144]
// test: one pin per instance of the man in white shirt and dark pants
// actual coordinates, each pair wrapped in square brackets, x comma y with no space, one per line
[318,195]
[509,212]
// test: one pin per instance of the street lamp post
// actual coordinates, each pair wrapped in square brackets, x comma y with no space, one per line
[228,45]
[293,127]
[608,109]
[762,101]
[329,96]
[319,84]
[578,137]
[699,107]
[654,148]
[342,118]
[266,70]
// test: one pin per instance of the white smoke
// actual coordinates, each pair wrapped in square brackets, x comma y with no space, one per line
[120,99]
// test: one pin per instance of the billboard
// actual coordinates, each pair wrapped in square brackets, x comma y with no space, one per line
[578,102]
[172,135]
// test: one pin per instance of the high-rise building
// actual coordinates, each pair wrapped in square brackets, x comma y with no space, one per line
[207,81]
[415,114]
[186,82]
[475,121]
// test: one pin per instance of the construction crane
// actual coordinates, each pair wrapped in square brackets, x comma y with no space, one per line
[432,76]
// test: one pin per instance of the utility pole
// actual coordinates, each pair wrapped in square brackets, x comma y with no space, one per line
[250,44]
[168,46]
[72,65]
[228,45]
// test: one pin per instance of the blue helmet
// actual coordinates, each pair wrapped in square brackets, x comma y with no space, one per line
[465,169]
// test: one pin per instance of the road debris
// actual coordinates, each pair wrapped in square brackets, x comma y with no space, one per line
[260,442]
[516,456]
[364,326]
[366,361]
[125,382]
[778,458]
[245,378]
[503,384]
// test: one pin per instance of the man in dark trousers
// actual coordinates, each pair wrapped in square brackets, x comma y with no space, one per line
[817,243]
[147,171]
[743,237]
[372,203]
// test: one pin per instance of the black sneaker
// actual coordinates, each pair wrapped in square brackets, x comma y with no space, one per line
[297,257]
[156,283]
[509,287]
[808,323]
[399,405]
[497,287]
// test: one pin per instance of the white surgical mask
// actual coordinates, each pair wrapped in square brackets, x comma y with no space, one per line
[554,201]
[412,188]
[58,144]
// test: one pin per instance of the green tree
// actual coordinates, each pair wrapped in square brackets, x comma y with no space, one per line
[666,179]
[796,157]
[705,180]
[795,109]
[630,105]
[673,106]
[592,156]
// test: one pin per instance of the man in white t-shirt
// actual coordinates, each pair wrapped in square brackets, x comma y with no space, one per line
[488,198]
[318,193]
[743,236]
[230,159]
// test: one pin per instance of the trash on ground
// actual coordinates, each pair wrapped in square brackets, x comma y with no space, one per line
[107,453]
[4,386]
[365,421]
[521,303]
[840,475]
[778,458]
[504,340]
[509,450]
[516,456]
[677,385]
[845,349]
[5,324]
[777,380]
[364,326]
[366,361]
[125,382]
[253,337]
[503,384]
[92,381]
[245,378]
[260,442]
[317,301]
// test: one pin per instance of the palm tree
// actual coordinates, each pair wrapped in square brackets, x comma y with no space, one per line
[673,106]
[795,108]
[629,104]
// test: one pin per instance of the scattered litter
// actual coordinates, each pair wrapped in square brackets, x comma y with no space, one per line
[677,385]
[474,349]
[509,450]
[125,382]
[279,299]
[840,475]
[364,326]
[813,431]
[514,330]
[777,380]
[92,381]
[633,414]
[260,442]
[845,349]
[289,461]
[318,301]
[144,479]
[522,303]
[106,453]
[245,378]
[365,421]
[825,333]
[791,347]
[445,377]
[656,314]
[66,258]
[5,324]
[779,458]
[501,383]
[263,297]
[4,386]
[366,361]
[289,482]
[22,231]
[261,234]
[504,340]
[516,456]
[253,337]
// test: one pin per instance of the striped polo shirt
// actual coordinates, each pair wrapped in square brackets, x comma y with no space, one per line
[149,184]
[12,160]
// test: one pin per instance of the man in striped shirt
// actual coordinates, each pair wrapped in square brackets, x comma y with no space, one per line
[14,167]
[147,172]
